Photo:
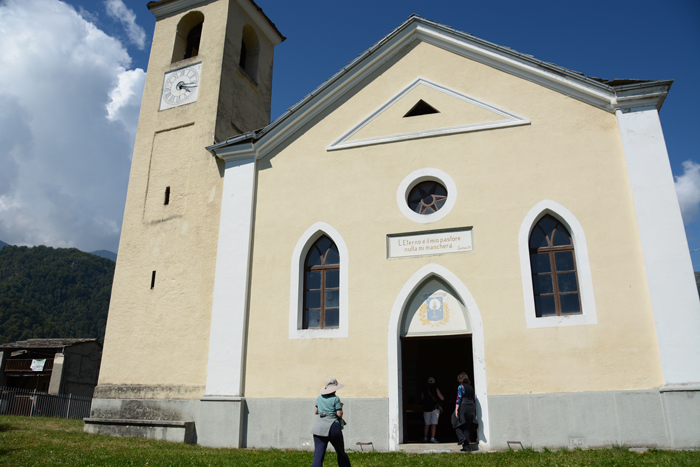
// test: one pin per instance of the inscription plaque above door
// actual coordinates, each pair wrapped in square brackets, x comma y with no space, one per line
[429,243]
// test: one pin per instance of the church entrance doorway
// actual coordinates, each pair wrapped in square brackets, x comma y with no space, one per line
[440,357]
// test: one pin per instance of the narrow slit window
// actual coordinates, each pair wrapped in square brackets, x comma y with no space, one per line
[421,108]
[167,196]
[153,279]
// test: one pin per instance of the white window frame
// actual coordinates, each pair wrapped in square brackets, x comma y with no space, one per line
[296,289]
[583,267]
[423,175]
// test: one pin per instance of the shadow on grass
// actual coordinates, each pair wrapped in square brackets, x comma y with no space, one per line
[6,427]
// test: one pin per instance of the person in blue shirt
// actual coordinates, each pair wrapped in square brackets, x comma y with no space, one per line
[464,416]
[329,424]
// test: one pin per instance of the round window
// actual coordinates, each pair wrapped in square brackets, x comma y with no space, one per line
[427,197]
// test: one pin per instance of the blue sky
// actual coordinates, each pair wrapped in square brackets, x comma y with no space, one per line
[640,39]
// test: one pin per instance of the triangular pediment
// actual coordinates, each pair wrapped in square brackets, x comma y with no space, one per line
[575,85]
[426,109]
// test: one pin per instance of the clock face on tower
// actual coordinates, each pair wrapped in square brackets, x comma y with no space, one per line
[180,86]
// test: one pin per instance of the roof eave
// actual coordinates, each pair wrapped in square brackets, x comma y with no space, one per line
[566,81]
[642,95]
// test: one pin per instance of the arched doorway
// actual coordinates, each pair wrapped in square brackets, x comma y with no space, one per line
[433,313]
[435,343]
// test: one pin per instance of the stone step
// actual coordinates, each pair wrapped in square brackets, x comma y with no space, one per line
[427,448]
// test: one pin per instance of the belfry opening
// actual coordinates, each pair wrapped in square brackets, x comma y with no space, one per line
[436,342]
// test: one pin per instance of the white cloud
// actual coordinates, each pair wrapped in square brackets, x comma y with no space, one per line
[92,17]
[688,191]
[117,10]
[125,99]
[69,113]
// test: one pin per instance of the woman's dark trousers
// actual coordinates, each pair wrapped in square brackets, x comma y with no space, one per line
[462,432]
[336,439]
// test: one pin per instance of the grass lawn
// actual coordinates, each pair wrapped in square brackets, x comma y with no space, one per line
[55,442]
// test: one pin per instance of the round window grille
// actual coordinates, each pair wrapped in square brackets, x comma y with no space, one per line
[427,197]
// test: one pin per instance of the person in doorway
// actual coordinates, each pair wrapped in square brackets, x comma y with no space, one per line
[464,416]
[431,409]
[329,424]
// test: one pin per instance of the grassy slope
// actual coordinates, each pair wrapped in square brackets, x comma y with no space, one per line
[54,442]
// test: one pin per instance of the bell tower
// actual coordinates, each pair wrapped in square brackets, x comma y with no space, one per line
[209,78]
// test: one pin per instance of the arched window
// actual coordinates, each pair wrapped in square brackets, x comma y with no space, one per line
[553,264]
[322,285]
[188,36]
[250,52]
[193,37]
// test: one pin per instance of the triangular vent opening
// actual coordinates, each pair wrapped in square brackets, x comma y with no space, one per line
[421,108]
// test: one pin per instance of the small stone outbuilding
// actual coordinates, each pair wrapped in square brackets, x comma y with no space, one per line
[56,366]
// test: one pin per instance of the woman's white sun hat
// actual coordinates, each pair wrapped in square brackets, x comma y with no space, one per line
[330,386]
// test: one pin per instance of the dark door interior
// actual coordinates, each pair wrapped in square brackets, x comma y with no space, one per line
[443,358]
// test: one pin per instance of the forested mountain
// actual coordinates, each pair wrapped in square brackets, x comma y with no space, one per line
[53,292]
[105,254]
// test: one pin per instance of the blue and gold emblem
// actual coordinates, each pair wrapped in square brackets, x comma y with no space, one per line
[434,311]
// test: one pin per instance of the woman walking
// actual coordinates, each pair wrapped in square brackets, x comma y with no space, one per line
[464,415]
[329,424]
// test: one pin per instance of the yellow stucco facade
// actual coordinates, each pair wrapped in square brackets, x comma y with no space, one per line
[570,152]
[206,323]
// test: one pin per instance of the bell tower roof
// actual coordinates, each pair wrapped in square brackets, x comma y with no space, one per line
[163,8]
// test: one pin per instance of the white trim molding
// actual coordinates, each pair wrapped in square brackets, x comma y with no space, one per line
[296,293]
[583,267]
[550,76]
[667,263]
[509,119]
[394,350]
[422,175]
[227,336]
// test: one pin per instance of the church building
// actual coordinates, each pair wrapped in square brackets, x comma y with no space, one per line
[441,204]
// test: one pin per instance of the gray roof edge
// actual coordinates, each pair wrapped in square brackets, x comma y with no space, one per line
[644,85]
[255,136]
[49,343]
[250,136]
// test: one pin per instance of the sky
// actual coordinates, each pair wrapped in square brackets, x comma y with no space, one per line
[73,75]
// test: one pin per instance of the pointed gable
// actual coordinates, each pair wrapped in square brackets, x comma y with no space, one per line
[606,95]
[460,113]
